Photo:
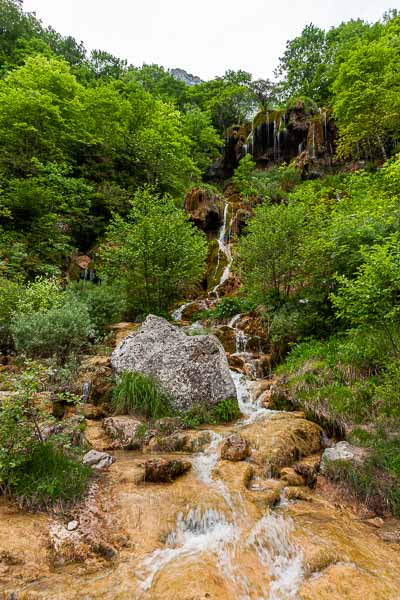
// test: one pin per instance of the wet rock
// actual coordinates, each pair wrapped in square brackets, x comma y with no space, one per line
[227,337]
[190,442]
[298,493]
[342,451]
[291,478]
[193,370]
[161,470]
[308,468]
[122,330]
[98,460]
[282,440]
[94,379]
[124,430]
[90,411]
[206,209]
[376,522]
[391,537]
[235,449]
[236,362]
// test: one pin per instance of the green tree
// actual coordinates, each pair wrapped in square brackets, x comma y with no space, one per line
[303,65]
[372,297]
[156,252]
[270,254]
[206,144]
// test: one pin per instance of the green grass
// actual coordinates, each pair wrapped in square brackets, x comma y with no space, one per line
[139,394]
[225,411]
[50,478]
[350,385]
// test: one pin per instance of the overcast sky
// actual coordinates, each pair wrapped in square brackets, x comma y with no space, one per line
[205,37]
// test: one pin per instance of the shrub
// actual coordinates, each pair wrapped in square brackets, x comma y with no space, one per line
[54,332]
[105,303]
[223,412]
[38,473]
[10,292]
[40,295]
[226,410]
[139,394]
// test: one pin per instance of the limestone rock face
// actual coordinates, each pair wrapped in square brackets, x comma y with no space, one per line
[342,451]
[191,369]
[235,448]
[206,209]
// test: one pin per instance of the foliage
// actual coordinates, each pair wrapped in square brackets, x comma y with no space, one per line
[225,411]
[205,142]
[50,477]
[58,331]
[156,253]
[139,394]
[270,255]
[105,303]
[10,293]
[38,473]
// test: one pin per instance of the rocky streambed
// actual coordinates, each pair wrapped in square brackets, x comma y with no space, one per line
[246,516]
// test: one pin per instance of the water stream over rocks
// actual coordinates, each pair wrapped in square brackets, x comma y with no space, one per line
[223,531]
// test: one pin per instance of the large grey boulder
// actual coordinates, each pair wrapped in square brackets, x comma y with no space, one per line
[191,369]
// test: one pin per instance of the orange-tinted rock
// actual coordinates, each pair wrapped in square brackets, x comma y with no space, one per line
[235,449]
[205,208]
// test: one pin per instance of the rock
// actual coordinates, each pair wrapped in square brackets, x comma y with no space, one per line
[190,442]
[308,468]
[227,337]
[376,522]
[72,525]
[297,493]
[391,537]
[98,460]
[282,440]
[291,478]
[235,448]
[206,209]
[342,451]
[90,411]
[193,370]
[124,430]
[161,470]
[236,362]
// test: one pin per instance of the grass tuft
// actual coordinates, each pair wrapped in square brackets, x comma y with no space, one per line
[139,394]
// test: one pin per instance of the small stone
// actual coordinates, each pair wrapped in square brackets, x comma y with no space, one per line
[161,470]
[98,460]
[123,429]
[376,522]
[235,448]
[72,525]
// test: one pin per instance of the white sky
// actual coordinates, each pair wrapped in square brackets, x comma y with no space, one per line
[205,37]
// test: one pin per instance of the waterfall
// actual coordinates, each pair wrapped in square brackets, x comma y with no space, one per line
[224,249]
[86,391]
[271,539]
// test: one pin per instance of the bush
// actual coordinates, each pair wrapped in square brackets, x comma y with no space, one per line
[138,394]
[10,292]
[50,477]
[57,332]
[105,303]
[38,473]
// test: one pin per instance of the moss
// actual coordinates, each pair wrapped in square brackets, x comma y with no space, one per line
[215,267]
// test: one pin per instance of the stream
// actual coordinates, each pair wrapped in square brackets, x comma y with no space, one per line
[224,531]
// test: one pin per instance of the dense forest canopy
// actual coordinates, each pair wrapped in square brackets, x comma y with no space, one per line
[96,156]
